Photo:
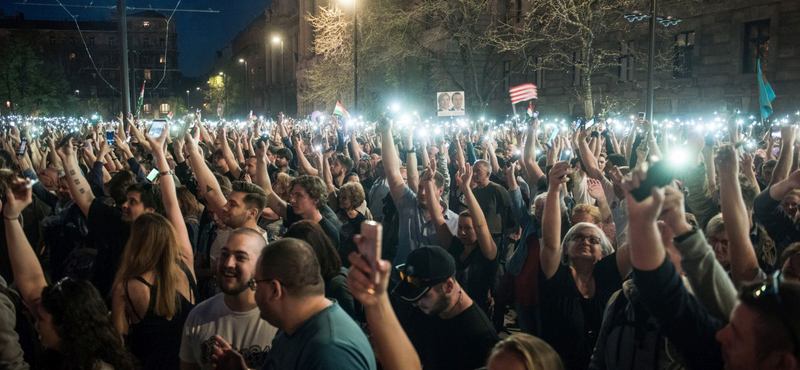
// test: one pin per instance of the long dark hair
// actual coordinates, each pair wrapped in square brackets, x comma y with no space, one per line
[80,318]
[330,264]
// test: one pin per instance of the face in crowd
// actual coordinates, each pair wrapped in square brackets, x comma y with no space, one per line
[236,265]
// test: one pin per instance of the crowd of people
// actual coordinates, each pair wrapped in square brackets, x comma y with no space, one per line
[205,245]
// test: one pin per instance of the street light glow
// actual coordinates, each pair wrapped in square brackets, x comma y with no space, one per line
[276,39]
[221,73]
[241,60]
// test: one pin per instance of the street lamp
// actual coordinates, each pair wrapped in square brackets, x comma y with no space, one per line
[355,53]
[225,87]
[187,100]
[651,55]
[276,40]
[246,85]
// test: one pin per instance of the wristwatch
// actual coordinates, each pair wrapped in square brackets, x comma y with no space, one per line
[409,151]
[164,173]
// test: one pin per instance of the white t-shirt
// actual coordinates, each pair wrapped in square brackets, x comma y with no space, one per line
[245,331]
[619,211]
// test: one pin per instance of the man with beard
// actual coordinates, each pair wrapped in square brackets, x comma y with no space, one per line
[232,314]
[315,333]
[454,333]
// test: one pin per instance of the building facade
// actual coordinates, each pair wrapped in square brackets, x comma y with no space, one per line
[91,58]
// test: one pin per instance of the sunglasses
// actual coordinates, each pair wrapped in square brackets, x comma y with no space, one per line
[770,291]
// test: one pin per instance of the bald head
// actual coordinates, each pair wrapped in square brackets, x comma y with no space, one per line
[292,262]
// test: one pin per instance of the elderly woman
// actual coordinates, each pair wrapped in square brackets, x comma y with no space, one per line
[577,277]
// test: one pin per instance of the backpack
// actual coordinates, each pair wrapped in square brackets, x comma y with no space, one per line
[633,339]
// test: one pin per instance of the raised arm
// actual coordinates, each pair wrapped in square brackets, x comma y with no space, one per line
[228,156]
[411,160]
[28,274]
[529,155]
[588,158]
[262,179]
[551,221]
[206,182]
[170,197]
[596,192]
[78,186]
[647,251]
[785,157]
[302,161]
[485,241]
[434,208]
[390,159]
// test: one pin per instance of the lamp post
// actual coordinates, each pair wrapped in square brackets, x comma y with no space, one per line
[187,100]
[355,54]
[651,54]
[246,85]
[276,40]
[225,99]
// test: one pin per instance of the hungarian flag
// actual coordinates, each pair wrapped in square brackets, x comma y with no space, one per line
[523,92]
[169,116]
[340,111]
[141,99]
[529,112]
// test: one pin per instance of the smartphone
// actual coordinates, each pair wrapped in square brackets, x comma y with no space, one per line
[22,147]
[590,123]
[263,140]
[566,155]
[535,114]
[157,127]
[553,135]
[370,248]
[642,116]
[513,158]
[65,140]
[152,175]
[110,138]
[578,124]
[659,175]
[776,132]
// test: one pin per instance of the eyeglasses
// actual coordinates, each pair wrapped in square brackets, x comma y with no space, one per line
[592,239]
[253,283]
[712,240]
[770,290]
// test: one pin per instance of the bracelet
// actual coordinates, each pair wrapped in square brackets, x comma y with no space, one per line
[409,151]
[11,218]
[164,173]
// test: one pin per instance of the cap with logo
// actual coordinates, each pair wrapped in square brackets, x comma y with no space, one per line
[425,268]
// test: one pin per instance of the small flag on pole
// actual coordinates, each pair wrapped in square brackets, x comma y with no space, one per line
[765,94]
[141,99]
[340,111]
[529,112]
[523,92]
[169,116]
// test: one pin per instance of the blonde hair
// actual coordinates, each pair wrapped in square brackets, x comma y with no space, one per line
[536,353]
[153,247]
[188,203]
[286,184]
[589,210]
[715,225]
[354,192]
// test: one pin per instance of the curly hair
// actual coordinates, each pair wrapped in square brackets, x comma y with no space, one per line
[285,180]
[81,320]
[353,191]
[315,188]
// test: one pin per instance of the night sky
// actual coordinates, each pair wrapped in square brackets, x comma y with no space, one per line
[199,34]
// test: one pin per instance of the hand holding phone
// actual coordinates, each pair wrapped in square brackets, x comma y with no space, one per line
[152,175]
[370,246]
[110,138]
[157,128]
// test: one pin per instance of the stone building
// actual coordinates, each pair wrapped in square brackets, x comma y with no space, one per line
[91,58]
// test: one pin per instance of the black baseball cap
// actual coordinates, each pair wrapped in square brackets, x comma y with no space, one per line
[425,268]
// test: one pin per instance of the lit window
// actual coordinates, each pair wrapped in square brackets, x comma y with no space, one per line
[146,108]
[146,24]
[146,42]
[164,108]
[684,46]
[756,45]
[147,74]
[161,59]
[71,56]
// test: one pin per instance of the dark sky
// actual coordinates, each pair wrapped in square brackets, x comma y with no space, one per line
[199,34]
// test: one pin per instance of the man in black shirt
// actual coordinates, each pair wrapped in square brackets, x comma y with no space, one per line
[453,333]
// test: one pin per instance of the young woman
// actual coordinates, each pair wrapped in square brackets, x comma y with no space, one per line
[155,288]
[71,317]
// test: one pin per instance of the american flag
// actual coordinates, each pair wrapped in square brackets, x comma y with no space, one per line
[523,92]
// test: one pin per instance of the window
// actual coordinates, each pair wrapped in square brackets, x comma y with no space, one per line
[145,41]
[626,62]
[92,41]
[145,24]
[539,72]
[577,69]
[756,45]
[162,42]
[146,108]
[164,108]
[52,40]
[506,75]
[161,59]
[684,45]
[147,74]
[112,41]
[71,56]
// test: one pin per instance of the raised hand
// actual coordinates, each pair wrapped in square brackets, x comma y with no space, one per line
[464,177]
[648,210]
[726,160]
[384,123]
[158,143]
[358,279]
[595,189]
[223,356]
[673,212]
[17,196]
[559,174]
